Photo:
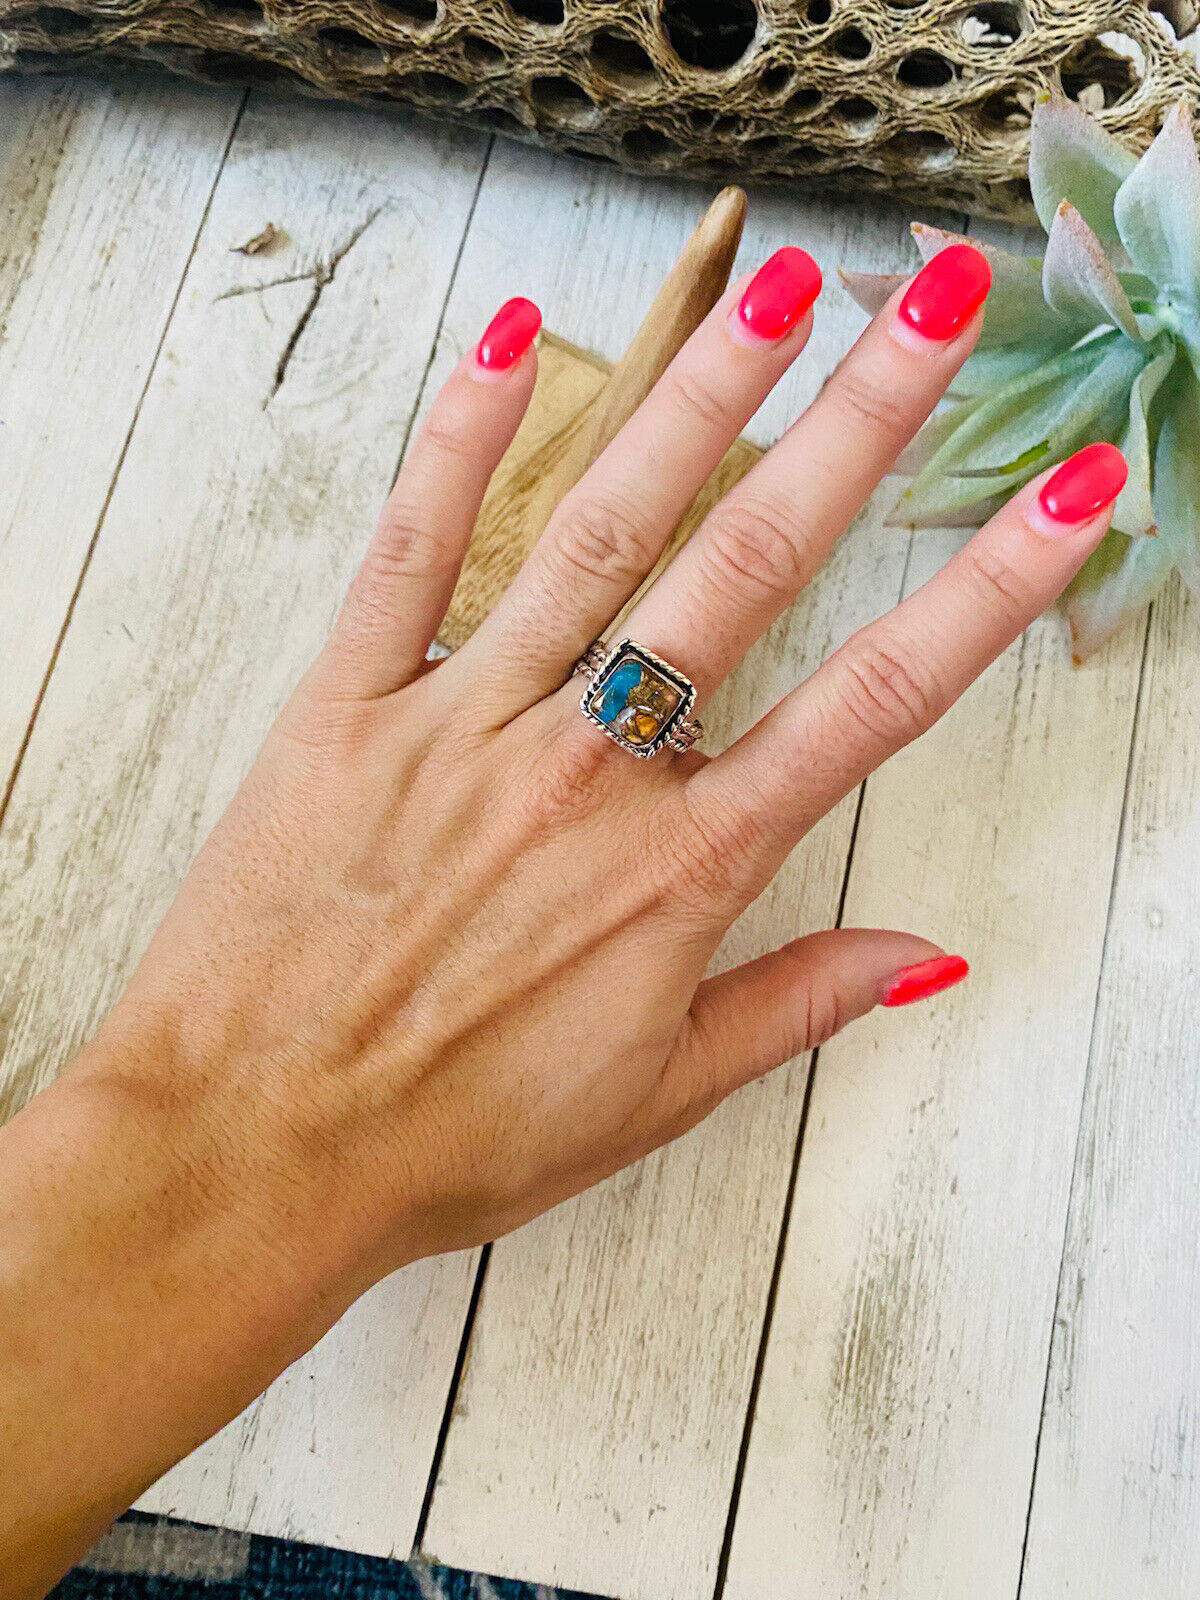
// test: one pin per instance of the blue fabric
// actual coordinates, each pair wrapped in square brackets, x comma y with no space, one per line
[159,1558]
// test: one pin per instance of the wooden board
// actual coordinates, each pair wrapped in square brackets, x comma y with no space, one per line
[102,191]
[893,1439]
[246,497]
[596,1435]
[1116,1505]
[610,1364]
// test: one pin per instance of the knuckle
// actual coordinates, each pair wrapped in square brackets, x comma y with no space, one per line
[603,538]
[868,403]
[404,547]
[706,851]
[887,691]
[700,402]
[753,546]
[823,1014]
[995,582]
[445,435]
[570,775]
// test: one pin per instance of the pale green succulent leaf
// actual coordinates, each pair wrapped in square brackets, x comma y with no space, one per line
[988,370]
[933,436]
[1016,310]
[1158,211]
[1045,410]
[871,290]
[1071,157]
[1177,474]
[1118,581]
[1078,279]
[949,503]
[1133,513]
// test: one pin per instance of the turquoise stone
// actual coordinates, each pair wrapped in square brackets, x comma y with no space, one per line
[614,697]
[635,702]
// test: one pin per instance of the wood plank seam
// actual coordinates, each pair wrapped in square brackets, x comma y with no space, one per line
[786,1213]
[1089,1073]
[11,782]
[419,401]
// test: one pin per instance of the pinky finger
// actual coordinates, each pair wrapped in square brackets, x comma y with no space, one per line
[403,588]
[746,1022]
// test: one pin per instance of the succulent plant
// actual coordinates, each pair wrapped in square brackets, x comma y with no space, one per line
[1098,339]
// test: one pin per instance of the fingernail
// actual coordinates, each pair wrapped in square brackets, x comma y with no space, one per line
[1084,485]
[925,979]
[778,294]
[946,293]
[508,335]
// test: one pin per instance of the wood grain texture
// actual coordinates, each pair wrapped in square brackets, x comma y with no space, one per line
[893,1441]
[102,191]
[596,1433]
[1116,1505]
[554,445]
[264,448]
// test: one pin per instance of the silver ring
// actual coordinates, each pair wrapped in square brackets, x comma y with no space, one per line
[639,700]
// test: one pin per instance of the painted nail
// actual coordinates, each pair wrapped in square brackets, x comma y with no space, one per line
[508,335]
[1084,485]
[779,293]
[946,293]
[925,979]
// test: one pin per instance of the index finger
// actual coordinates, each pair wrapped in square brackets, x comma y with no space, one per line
[895,678]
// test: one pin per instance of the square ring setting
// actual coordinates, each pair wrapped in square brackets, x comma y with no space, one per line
[638,699]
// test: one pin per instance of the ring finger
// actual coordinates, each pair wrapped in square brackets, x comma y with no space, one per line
[762,544]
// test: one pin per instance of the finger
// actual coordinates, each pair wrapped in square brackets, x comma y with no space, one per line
[894,679]
[614,524]
[400,595]
[745,1023]
[761,545]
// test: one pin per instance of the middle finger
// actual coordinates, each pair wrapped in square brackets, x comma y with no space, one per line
[766,539]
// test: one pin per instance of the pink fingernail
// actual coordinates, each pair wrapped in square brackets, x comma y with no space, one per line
[947,292]
[508,335]
[1084,485]
[923,980]
[779,294]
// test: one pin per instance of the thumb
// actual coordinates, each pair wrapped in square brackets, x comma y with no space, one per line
[754,1018]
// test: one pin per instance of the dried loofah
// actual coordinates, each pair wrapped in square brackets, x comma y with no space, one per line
[926,100]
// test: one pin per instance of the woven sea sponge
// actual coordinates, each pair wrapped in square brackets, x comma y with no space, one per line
[925,100]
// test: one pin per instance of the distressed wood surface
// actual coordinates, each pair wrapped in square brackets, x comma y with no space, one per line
[1116,1505]
[90,176]
[896,1431]
[610,1364]
[264,447]
[893,1440]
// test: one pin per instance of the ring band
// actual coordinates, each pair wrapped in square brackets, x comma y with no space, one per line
[639,700]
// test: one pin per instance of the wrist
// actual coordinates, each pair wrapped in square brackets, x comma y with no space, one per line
[158,1268]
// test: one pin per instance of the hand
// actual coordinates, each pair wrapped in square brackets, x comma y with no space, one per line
[441,964]
[452,939]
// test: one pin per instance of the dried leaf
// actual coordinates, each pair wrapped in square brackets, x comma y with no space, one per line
[260,243]
[1071,157]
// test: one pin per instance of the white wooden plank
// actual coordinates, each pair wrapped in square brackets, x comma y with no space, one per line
[102,191]
[595,1437]
[242,508]
[1116,1507]
[893,1440]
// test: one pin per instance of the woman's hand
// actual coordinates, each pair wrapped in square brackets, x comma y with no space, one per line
[441,964]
